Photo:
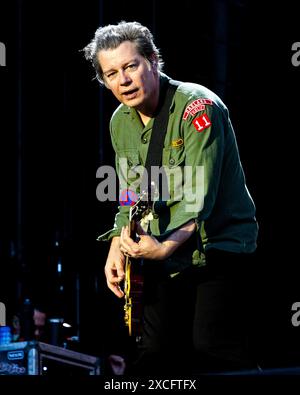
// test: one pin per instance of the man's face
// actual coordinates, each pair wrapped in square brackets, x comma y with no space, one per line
[130,77]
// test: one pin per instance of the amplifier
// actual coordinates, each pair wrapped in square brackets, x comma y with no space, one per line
[37,358]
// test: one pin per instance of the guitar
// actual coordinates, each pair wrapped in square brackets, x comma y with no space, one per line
[133,283]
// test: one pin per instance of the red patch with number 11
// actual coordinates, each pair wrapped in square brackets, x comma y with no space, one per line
[201,123]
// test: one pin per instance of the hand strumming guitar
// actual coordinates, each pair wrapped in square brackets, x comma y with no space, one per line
[147,246]
[114,268]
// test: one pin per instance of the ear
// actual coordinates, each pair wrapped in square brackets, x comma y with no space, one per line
[154,60]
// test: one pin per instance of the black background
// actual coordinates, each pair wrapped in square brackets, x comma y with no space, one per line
[54,135]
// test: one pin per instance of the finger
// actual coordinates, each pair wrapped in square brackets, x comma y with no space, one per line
[120,271]
[111,276]
[126,253]
[124,240]
[113,282]
[116,289]
[116,272]
[129,244]
[123,251]
[126,232]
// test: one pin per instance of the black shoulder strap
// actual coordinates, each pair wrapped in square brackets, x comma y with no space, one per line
[160,125]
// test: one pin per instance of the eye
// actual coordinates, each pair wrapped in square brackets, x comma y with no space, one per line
[110,75]
[132,66]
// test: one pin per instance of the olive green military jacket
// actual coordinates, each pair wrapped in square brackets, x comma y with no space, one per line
[205,178]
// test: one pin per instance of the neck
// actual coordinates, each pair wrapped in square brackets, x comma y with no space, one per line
[149,109]
[144,118]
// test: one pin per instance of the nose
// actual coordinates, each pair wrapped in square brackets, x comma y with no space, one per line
[124,77]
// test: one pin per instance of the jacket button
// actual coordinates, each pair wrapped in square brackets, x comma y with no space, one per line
[172,161]
[144,140]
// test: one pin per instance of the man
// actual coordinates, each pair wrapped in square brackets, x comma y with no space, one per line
[204,232]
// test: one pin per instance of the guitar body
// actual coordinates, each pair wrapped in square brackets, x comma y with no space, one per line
[133,296]
[133,284]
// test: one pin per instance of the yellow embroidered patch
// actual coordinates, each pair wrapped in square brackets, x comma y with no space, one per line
[177,143]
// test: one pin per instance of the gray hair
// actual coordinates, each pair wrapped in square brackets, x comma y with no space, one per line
[111,36]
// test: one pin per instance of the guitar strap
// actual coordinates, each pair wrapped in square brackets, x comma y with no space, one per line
[160,125]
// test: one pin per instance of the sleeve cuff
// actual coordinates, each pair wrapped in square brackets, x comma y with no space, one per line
[109,235]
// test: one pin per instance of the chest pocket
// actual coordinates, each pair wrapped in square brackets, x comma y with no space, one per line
[129,169]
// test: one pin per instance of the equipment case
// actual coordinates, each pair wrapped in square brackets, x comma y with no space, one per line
[37,358]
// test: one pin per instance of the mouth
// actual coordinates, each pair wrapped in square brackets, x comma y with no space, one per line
[130,94]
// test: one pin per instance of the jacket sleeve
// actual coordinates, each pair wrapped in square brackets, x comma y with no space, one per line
[203,136]
[204,144]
